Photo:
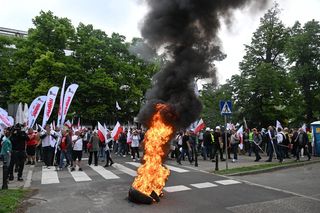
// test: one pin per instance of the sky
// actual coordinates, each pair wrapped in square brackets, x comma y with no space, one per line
[125,17]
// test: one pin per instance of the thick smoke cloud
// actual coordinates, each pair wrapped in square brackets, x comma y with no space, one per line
[187,30]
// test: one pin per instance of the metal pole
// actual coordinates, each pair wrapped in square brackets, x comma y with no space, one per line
[195,151]
[226,139]
[217,163]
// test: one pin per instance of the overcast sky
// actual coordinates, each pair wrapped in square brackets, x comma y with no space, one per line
[124,17]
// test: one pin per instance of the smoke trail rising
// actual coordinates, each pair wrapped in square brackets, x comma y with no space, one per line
[187,30]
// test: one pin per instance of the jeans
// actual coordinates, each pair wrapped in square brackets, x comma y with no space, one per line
[184,151]
[234,148]
[102,153]
[64,154]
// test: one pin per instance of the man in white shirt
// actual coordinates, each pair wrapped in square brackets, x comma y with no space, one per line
[77,142]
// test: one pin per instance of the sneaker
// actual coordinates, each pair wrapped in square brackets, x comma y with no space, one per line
[20,179]
[134,159]
[131,157]
[111,163]
[233,160]
[80,169]
[106,165]
[124,156]
[73,169]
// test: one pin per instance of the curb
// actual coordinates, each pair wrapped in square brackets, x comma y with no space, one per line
[259,171]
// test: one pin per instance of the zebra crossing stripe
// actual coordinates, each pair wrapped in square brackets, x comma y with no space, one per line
[125,169]
[176,188]
[203,185]
[79,176]
[49,175]
[172,168]
[136,164]
[106,174]
[227,182]
[176,169]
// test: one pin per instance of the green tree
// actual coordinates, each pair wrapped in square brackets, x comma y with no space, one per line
[262,91]
[303,52]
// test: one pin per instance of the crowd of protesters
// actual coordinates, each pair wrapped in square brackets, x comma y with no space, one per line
[64,148]
[274,143]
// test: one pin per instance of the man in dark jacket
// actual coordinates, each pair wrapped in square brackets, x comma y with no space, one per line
[302,142]
[18,139]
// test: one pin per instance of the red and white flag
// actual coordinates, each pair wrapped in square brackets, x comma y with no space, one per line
[101,132]
[35,109]
[116,131]
[61,102]
[199,126]
[71,90]
[4,118]
[68,124]
[48,108]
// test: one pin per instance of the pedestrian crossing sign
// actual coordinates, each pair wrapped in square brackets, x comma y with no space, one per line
[225,107]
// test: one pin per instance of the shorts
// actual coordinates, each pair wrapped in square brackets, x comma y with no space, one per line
[76,155]
[31,150]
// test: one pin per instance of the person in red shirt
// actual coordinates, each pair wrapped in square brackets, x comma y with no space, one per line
[32,142]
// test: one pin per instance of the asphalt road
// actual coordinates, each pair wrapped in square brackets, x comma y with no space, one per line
[187,190]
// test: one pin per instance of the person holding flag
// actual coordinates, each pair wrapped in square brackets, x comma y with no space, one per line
[257,141]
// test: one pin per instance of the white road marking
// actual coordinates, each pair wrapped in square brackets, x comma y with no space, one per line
[136,164]
[106,174]
[227,182]
[49,175]
[172,168]
[176,188]
[27,184]
[176,169]
[203,185]
[79,176]
[125,169]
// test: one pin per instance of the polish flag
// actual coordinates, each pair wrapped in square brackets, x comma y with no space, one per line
[68,124]
[199,126]
[101,132]
[116,131]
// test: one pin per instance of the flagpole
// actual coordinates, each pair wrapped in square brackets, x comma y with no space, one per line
[226,140]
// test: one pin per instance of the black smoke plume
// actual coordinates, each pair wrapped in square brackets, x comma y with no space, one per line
[187,30]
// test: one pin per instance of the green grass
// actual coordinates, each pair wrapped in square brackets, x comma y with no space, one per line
[260,167]
[10,199]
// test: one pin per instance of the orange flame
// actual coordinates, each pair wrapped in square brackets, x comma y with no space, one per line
[152,175]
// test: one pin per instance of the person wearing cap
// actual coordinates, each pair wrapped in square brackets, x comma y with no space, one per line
[207,144]
[217,136]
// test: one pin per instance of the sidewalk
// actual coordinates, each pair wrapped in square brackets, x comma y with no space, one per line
[243,161]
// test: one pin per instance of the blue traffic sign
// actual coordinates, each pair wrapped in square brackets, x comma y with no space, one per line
[225,107]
